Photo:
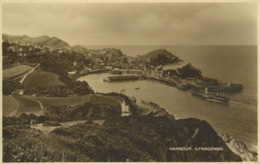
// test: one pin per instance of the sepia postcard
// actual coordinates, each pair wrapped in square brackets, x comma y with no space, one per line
[122,81]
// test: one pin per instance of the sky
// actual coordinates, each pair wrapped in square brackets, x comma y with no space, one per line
[135,23]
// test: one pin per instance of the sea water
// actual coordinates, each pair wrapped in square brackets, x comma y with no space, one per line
[235,64]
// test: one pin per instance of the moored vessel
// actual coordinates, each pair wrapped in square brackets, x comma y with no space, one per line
[211,97]
[122,78]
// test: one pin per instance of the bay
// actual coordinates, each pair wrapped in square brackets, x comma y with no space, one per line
[235,64]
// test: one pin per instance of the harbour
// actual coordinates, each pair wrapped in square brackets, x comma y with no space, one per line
[183,105]
[197,90]
[242,108]
[130,82]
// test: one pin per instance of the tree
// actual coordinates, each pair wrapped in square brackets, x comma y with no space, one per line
[9,86]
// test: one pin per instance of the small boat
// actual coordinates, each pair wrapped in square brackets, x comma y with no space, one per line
[122,90]
[211,97]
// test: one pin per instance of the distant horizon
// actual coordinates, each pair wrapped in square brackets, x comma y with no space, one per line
[136,44]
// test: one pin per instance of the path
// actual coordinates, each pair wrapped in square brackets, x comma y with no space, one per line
[196,130]
[40,103]
[48,129]
[29,106]
[21,81]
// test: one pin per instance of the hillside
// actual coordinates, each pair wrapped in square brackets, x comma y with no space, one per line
[79,49]
[160,57]
[40,78]
[49,102]
[132,139]
[39,39]
[45,41]
[8,37]
[27,105]
[54,42]
[16,71]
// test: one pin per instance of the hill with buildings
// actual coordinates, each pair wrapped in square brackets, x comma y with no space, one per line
[160,57]
[44,41]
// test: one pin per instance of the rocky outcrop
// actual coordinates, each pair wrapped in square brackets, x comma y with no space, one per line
[239,148]
[150,108]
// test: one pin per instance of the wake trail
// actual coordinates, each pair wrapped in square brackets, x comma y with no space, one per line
[240,105]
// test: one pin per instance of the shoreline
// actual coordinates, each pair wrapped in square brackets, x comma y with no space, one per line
[252,147]
[181,84]
[157,111]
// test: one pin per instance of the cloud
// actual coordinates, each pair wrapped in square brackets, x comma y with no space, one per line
[135,23]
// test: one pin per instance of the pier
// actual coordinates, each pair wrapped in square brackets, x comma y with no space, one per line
[190,86]
[228,88]
[96,71]
[182,84]
[164,80]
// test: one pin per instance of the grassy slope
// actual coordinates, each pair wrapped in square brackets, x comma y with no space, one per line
[40,78]
[79,100]
[9,105]
[27,105]
[16,70]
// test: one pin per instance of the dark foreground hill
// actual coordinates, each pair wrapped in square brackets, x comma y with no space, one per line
[143,138]
[135,138]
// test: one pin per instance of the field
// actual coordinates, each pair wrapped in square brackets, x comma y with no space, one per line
[27,105]
[40,78]
[10,106]
[36,105]
[79,100]
[17,70]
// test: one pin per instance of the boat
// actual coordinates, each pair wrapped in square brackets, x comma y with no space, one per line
[122,90]
[122,78]
[211,97]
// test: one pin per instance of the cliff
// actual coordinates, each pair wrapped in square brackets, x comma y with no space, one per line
[239,148]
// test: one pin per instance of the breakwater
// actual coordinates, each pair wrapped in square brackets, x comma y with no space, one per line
[163,80]
[189,85]
[180,84]
[229,88]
